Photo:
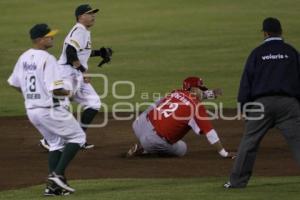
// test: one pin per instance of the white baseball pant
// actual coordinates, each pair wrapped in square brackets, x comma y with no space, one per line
[83,93]
[57,125]
[154,144]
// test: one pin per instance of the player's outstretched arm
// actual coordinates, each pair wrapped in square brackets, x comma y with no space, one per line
[214,140]
[221,150]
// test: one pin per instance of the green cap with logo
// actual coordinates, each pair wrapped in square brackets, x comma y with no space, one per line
[85,9]
[41,30]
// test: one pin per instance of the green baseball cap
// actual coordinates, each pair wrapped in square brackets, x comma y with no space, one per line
[84,9]
[41,30]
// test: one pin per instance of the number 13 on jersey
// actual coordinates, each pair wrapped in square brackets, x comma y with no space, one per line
[31,87]
[31,83]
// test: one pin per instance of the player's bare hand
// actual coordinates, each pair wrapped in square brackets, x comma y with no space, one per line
[231,155]
[86,79]
[212,94]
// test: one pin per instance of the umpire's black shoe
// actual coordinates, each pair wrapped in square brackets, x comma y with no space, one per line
[87,146]
[228,185]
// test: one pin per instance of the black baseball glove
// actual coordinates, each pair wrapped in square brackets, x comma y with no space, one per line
[104,53]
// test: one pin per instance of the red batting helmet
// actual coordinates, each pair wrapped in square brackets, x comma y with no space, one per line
[193,82]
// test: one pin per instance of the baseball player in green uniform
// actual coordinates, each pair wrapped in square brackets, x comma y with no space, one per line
[37,77]
[77,49]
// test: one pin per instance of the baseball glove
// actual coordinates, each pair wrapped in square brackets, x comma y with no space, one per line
[105,54]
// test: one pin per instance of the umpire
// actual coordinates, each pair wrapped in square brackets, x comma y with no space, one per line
[271,77]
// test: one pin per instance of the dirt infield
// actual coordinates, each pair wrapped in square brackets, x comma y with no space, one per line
[24,163]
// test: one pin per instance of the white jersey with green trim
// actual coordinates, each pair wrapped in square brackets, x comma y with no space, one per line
[80,38]
[36,74]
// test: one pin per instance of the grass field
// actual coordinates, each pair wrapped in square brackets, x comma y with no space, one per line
[174,189]
[157,43]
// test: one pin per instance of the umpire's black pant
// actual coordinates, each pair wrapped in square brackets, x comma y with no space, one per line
[280,112]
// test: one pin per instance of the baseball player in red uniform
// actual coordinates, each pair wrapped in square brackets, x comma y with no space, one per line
[161,127]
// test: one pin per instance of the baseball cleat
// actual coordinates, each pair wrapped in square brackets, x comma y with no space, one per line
[44,144]
[53,189]
[60,181]
[87,146]
[135,150]
[48,192]
[227,185]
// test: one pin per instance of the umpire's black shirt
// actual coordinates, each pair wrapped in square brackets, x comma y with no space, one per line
[273,68]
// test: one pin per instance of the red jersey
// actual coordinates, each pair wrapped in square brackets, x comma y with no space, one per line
[176,114]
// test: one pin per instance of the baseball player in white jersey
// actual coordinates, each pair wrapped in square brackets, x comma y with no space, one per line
[74,64]
[36,76]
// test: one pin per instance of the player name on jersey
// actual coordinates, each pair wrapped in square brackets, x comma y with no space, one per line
[29,67]
[33,96]
[181,98]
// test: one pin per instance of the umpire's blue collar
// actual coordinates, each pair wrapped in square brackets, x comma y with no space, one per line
[272,39]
